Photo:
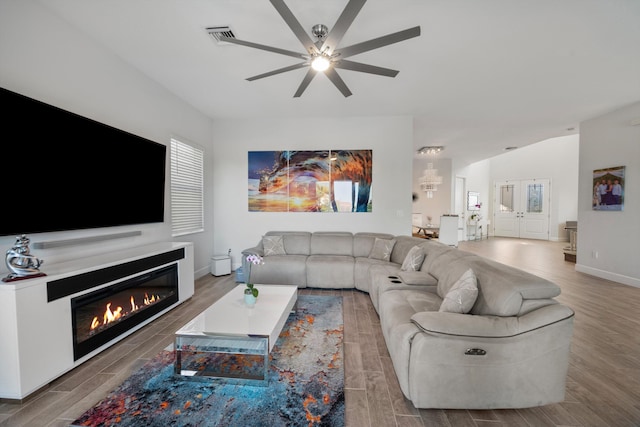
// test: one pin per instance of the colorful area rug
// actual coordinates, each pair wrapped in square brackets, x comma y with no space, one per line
[305,388]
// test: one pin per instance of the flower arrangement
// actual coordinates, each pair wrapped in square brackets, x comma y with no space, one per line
[255,260]
[476,216]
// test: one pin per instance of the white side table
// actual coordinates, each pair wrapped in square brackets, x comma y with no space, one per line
[220,265]
[474,230]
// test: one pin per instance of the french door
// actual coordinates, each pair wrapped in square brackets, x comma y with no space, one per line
[521,208]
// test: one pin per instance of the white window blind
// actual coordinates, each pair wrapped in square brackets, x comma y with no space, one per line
[187,188]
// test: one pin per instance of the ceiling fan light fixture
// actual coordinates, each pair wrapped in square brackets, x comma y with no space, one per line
[321,55]
[320,63]
[320,31]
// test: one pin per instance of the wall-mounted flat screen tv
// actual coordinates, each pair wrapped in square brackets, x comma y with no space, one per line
[62,171]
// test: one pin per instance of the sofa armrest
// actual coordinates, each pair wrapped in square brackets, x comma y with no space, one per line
[435,322]
[256,250]
[419,278]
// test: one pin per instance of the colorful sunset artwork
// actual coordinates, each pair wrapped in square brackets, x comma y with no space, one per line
[310,181]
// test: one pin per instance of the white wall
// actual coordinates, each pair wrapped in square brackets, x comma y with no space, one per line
[46,59]
[555,159]
[390,138]
[608,141]
[478,179]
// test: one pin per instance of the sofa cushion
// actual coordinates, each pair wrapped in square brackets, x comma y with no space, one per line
[280,270]
[330,271]
[363,242]
[332,243]
[504,290]
[403,246]
[396,309]
[362,272]
[273,245]
[462,295]
[295,242]
[447,267]
[432,252]
[417,278]
[413,260]
[382,249]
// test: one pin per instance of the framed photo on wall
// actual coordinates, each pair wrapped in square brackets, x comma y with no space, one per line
[608,189]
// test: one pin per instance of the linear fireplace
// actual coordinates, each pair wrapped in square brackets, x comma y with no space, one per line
[102,315]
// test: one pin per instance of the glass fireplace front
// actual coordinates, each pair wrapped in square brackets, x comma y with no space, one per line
[102,315]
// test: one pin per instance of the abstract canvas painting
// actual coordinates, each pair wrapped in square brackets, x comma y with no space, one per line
[310,181]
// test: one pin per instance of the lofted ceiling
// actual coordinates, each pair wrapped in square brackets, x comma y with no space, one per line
[482,76]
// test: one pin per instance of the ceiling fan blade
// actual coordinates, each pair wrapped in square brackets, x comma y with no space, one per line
[264,47]
[278,71]
[378,42]
[342,25]
[305,82]
[338,82]
[295,26]
[365,68]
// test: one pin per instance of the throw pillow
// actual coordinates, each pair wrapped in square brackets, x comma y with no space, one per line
[273,245]
[462,295]
[413,260]
[382,249]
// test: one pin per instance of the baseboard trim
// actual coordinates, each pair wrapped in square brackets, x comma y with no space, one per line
[603,274]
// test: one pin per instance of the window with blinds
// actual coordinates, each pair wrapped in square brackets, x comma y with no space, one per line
[187,189]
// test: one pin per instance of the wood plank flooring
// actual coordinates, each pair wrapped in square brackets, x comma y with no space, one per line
[604,376]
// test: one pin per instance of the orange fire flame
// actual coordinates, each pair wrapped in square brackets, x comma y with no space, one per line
[113,315]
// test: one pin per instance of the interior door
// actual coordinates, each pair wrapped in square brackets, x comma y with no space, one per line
[506,215]
[521,208]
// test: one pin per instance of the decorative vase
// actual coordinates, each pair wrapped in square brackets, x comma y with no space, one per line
[249,299]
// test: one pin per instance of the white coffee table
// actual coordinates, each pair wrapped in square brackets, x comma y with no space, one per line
[230,327]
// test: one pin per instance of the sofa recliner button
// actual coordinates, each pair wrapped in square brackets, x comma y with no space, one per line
[475,352]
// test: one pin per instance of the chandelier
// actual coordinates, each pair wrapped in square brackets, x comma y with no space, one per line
[430,180]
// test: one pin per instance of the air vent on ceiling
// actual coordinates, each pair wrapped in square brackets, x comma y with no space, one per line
[217,32]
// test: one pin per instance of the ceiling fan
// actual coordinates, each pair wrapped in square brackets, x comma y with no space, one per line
[323,55]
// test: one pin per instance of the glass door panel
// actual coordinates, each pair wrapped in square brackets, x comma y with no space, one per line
[505,221]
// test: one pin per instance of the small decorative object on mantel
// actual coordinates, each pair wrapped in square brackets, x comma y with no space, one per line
[251,292]
[20,262]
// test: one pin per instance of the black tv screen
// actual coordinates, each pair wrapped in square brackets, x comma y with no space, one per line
[62,171]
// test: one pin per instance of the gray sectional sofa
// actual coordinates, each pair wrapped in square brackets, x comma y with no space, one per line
[463,332]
